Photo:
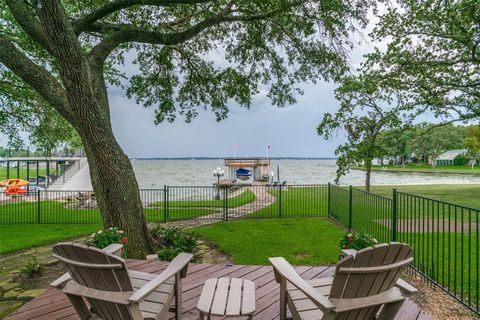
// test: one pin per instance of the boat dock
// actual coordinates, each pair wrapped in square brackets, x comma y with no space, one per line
[259,166]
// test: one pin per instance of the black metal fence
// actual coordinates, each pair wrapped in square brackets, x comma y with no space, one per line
[445,241]
[173,203]
[444,235]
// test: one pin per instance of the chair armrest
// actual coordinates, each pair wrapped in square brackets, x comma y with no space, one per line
[114,248]
[405,287]
[287,272]
[389,296]
[176,266]
[349,252]
[60,282]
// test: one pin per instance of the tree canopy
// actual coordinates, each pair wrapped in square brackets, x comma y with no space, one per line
[472,142]
[432,140]
[189,54]
[434,52]
[369,104]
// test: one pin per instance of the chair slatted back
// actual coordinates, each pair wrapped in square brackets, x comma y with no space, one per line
[95,269]
[372,271]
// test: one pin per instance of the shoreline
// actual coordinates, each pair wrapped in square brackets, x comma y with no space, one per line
[419,171]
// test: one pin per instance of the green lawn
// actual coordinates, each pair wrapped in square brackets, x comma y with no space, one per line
[307,241]
[425,167]
[448,258]
[241,199]
[18,237]
[463,194]
[52,211]
[296,202]
[23,172]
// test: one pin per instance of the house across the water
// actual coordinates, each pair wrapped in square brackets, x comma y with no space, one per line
[447,158]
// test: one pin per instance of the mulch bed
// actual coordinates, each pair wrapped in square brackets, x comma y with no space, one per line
[436,302]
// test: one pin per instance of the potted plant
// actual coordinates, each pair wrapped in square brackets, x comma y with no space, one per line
[356,241]
[105,237]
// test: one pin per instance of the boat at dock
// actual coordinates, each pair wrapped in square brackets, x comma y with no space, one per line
[243,174]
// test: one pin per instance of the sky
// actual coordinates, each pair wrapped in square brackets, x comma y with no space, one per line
[290,131]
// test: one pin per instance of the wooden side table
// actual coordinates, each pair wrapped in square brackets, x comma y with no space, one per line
[227,297]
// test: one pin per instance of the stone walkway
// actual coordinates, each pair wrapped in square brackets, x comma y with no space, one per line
[262,200]
[16,289]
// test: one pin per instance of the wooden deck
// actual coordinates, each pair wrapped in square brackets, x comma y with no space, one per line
[53,304]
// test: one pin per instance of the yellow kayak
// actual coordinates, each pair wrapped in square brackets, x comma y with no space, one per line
[14,183]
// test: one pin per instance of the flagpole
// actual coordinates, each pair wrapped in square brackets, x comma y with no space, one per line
[268,150]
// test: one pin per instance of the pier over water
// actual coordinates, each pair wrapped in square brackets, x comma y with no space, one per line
[259,166]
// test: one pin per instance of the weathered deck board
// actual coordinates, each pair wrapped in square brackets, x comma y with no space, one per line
[53,304]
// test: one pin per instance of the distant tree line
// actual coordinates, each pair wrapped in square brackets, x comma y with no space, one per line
[412,143]
[424,142]
[45,143]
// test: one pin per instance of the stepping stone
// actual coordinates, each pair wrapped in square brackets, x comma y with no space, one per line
[8,286]
[30,294]
[51,262]
[12,294]
[152,257]
[7,307]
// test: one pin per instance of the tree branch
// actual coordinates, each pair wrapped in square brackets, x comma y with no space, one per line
[35,76]
[114,6]
[128,33]
[29,23]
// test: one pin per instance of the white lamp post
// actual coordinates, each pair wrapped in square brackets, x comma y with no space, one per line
[218,173]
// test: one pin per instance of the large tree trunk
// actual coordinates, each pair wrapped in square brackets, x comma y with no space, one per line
[368,173]
[116,189]
[113,180]
[112,175]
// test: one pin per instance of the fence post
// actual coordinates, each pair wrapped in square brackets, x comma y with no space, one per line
[38,207]
[328,200]
[225,203]
[165,201]
[394,215]
[280,200]
[350,203]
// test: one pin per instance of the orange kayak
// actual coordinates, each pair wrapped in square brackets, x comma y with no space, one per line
[15,191]
[14,183]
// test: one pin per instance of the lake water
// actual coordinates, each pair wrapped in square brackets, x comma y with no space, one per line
[156,173]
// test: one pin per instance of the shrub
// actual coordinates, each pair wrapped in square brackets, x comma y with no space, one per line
[357,241]
[170,241]
[460,160]
[33,269]
[167,254]
[105,237]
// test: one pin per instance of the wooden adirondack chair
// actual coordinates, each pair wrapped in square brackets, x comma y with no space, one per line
[112,291]
[366,285]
